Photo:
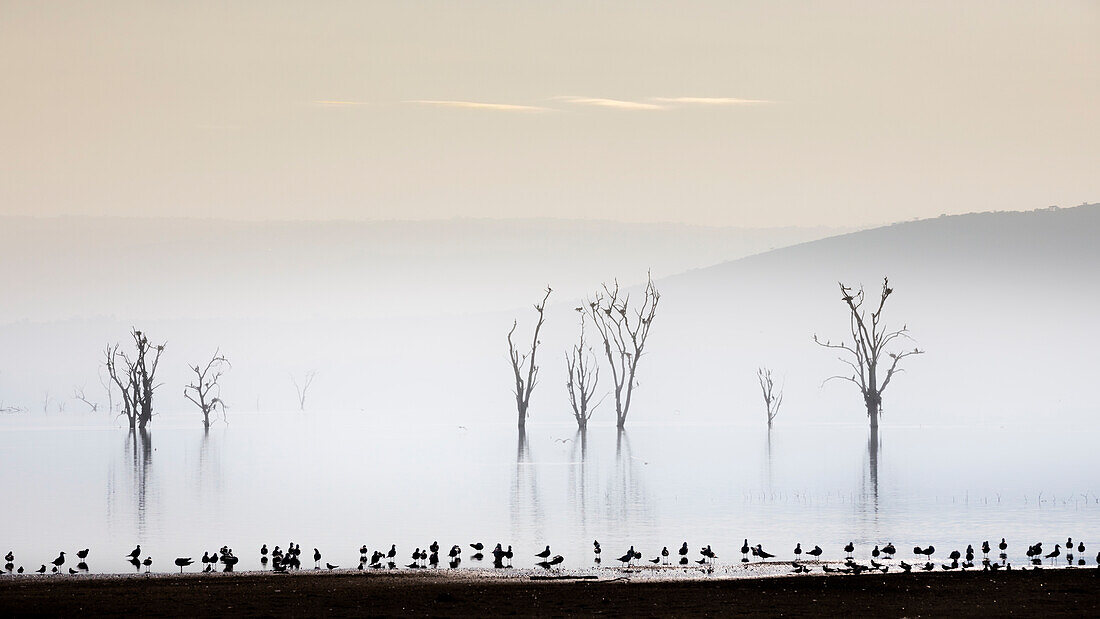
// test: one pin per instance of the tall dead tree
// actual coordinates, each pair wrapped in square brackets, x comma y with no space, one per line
[864,353]
[204,390]
[135,377]
[584,375]
[624,330]
[303,388]
[773,398]
[525,363]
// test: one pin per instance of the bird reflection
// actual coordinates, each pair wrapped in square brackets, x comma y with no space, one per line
[525,507]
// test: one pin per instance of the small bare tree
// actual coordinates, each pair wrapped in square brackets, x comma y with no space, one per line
[773,398]
[624,330]
[524,387]
[78,394]
[135,378]
[870,339]
[584,375]
[303,387]
[204,391]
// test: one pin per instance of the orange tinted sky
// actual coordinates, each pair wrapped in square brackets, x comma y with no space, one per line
[718,113]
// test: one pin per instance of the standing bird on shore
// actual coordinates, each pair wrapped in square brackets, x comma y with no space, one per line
[60,560]
[136,552]
[434,547]
[546,553]
[1003,547]
[889,550]
[664,555]
[875,552]
[683,552]
[928,552]
[508,554]
[816,552]
[41,570]
[148,562]
[1054,553]
[985,549]
[316,559]
[182,562]
[454,553]
[596,550]
[745,551]
[849,548]
[628,557]
[82,554]
[761,553]
[798,552]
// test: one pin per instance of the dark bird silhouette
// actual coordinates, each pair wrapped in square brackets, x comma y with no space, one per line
[628,557]
[745,551]
[889,550]
[316,559]
[954,555]
[136,552]
[906,567]
[331,566]
[664,554]
[392,553]
[82,566]
[134,561]
[875,552]
[557,560]
[454,552]
[1054,553]
[434,559]
[41,570]
[985,548]
[82,554]
[477,556]
[60,560]
[546,553]
[655,560]
[928,552]
[20,570]
[543,564]
[1081,547]
[928,567]
[363,549]
[263,550]
[72,571]
[478,546]
[454,563]
[434,547]
[762,554]
[508,554]
[816,552]
[11,556]
[850,548]
[798,551]
[415,564]
[684,549]
[148,562]
[182,562]
[683,560]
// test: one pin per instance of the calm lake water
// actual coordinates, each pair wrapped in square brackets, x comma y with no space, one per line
[338,480]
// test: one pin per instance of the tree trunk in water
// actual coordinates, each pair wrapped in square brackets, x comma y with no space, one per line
[522,416]
[872,413]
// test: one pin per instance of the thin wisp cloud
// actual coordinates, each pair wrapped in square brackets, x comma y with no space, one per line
[479,105]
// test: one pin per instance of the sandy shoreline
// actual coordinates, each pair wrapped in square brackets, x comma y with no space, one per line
[647,592]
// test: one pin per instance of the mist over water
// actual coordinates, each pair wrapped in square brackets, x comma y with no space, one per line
[336,480]
[409,432]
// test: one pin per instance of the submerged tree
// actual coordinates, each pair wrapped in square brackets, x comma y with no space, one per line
[78,394]
[135,378]
[526,361]
[773,398]
[870,339]
[204,391]
[624,330]
[584,375]
[303,387]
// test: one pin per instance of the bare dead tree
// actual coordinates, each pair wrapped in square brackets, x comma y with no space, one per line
[624,330]
[105,382]
[584,375]
[524,386]
[204,391]
[135,378]
[773,398]
[78,394]
[303,388]
[870,339]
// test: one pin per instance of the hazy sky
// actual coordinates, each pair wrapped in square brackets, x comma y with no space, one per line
[751,114]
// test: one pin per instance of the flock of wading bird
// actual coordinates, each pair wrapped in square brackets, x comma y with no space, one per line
[289,560]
